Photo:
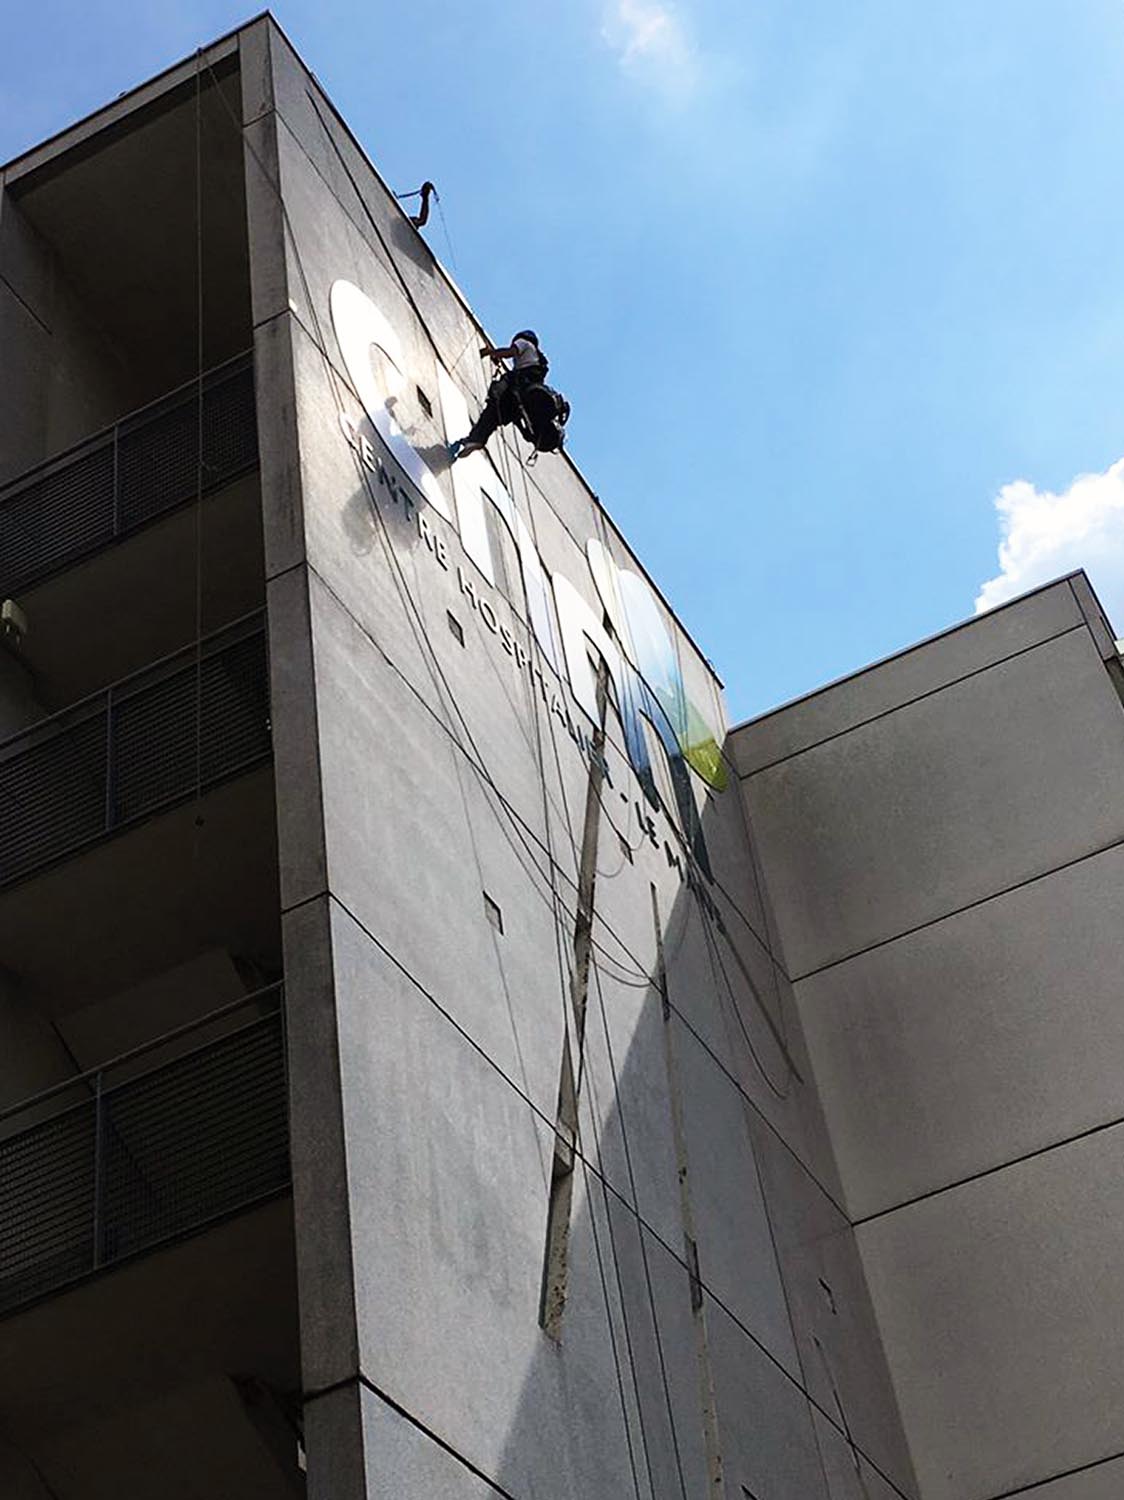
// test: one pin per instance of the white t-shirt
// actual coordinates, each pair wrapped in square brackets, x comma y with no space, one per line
[526,354]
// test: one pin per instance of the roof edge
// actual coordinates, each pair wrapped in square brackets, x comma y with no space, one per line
[928,640]
[125,103]
[151,89]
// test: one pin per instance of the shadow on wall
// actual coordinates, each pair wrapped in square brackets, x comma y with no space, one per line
[713,1284]
[776,1332]
[360,523]
[408,242]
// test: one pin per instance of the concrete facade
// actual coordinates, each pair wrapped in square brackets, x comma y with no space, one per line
[959,999]
[445,773]
[667,1107]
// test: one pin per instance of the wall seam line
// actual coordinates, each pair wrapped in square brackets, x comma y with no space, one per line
[958,911]
[392,665]
[930,640]
[611,1187]
[1037,1484]
[1004,1166]
[27,307]
[943,687]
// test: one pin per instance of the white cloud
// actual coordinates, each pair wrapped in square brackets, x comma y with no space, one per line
[1042,535]
[648,30]
[649,37]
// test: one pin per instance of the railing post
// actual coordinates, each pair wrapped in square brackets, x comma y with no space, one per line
[109,766]
[99,1165]
[116,481]
[142,1197]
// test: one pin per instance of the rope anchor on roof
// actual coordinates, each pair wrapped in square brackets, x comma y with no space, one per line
[425,192]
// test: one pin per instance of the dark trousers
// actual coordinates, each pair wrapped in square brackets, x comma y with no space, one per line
[503,403]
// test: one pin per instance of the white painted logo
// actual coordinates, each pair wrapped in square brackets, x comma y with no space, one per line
[639,653]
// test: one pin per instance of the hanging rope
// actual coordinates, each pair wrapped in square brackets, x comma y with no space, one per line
[526,836]
[198,444]
[448,236]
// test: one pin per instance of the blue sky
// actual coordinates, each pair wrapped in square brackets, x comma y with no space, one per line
[826,284]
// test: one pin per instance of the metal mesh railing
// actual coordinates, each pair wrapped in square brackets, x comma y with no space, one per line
[117,1168]
[138,747]
[114,483]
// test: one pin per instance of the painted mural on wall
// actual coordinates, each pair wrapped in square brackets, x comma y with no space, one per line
[639,652]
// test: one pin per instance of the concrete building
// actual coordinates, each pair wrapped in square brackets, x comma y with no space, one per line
[437,1058]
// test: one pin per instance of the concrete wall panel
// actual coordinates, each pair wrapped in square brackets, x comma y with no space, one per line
[449,1169]
[657,1309]
[25,261]
[255,70]
[848,1473]
[402,1460]
[1102,1482]
[746,1017]
[321,1200]
[1002,1325]
[414,844]
[296,747]
[26,346]
[926,668]
[1090,606]
[737,1256]
[627,1120]
[282,498]
[64,380]
[768,1442]
[992,1034]
[268,233]
[922,806]
[841,1354]
[334,1442]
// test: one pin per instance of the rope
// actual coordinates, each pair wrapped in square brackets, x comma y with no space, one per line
[855,1459]
[511,813]
[445,231]
[579,1137]
[417,623]
[714,957]
[565,964]
[640,1234]
[198,451]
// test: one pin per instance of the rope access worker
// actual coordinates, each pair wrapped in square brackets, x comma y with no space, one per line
[506,400]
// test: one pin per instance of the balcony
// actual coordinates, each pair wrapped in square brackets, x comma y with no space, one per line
[143,1151]
[116,483]
[171,732]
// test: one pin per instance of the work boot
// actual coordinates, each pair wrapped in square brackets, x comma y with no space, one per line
[462,449]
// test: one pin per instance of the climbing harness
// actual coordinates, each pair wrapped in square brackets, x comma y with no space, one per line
[538,411]
[541,414]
